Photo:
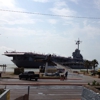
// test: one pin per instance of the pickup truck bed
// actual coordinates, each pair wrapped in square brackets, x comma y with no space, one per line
[29,75]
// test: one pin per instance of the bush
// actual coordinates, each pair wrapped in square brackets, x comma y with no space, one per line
[94,83]
[88,83]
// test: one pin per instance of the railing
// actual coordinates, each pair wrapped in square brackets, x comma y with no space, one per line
[5,95]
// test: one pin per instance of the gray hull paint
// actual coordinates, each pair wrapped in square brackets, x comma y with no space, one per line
[27,64]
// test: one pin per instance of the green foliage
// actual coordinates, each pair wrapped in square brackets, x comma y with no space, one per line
[87,64]
[94,83]
[94,63]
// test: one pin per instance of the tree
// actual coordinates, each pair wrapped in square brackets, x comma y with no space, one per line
[94,64]
[87,64]
[98,73]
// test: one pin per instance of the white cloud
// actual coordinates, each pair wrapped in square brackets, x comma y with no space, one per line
[60,4]
[4,59]
[75,1]
[52,21]
[16,32]
[50,40]
[43,1]
[7,3]
[61,8]
[4,48]
[86,31]
[23,32]
[97,3]
[11,18]
[16,18]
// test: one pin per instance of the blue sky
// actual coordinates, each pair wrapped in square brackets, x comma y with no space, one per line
[50,34]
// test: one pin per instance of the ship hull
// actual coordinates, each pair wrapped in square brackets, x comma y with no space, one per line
[27,64]
[34,60]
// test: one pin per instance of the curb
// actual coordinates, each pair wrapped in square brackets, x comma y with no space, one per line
[38,84]
[45,78]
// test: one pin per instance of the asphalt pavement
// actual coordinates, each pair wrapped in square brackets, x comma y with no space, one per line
[50,92]
[73,79]
[48,89]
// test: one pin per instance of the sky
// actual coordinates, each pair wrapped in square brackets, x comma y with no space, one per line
[34,32]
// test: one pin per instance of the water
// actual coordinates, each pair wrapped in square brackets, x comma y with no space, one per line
[10,68]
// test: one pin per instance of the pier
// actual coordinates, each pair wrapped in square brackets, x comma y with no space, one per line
[3,67]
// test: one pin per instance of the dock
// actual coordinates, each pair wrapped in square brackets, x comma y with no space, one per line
[3,67]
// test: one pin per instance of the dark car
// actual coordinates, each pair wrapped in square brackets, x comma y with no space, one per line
[29,75]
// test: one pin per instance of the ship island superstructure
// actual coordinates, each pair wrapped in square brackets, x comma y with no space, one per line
[30,60]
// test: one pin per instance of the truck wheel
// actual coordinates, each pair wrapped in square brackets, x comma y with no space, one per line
[30,78]
[20,78]
[36,79]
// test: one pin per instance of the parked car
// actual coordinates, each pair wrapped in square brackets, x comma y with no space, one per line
[29,75]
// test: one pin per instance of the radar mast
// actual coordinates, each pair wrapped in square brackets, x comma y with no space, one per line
[78,42]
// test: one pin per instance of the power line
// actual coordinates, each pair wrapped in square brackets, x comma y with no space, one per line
[48,14]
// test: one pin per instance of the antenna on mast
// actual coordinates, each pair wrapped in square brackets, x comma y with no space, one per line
[78,42]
